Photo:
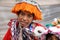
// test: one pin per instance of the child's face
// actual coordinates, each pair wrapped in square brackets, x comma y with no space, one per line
[25,18]
[58,26]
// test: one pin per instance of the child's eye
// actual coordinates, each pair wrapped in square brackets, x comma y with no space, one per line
[30,16]
[22,14]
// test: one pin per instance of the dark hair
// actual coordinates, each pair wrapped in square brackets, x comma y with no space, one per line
[49,36]
[19,12]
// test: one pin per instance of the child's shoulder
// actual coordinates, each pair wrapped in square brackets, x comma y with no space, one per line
[37,24]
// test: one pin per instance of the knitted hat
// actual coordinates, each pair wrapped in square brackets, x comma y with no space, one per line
[25,6]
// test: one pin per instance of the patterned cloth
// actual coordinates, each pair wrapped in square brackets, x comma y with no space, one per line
[19,33]
[16,31]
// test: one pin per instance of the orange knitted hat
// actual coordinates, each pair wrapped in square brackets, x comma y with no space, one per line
[24,6]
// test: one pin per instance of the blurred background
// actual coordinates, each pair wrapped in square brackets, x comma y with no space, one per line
[50,10]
